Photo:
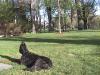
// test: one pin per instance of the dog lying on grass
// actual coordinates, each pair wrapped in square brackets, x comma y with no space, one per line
[33,62]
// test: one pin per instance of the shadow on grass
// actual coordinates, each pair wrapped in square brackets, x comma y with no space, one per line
[87,41]
[11,59]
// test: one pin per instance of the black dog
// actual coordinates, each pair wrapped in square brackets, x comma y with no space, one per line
[33,61]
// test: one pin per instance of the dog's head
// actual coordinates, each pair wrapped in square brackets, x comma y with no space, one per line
[23,48]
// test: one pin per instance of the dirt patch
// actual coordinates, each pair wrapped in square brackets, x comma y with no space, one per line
[71,55]
[5,66]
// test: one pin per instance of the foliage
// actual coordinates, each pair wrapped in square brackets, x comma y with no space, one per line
[6,12]
[76,10]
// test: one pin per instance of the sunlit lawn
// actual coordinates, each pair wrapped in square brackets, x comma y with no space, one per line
[72,53]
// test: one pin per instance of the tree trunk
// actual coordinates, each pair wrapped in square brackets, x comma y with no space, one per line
[85,24]
[49,18]
[73,18]
[44,22]
[79,13]
[33,28]
[85,17]
[40,24]
[59,13]
[33,15]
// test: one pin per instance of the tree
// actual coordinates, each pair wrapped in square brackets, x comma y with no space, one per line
[5,7]
[84,8]
[79,14]
[49,4]
[48,9]
[87,8]
[59,13]
[73,15]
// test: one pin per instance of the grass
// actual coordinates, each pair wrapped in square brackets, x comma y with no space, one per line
[72,53]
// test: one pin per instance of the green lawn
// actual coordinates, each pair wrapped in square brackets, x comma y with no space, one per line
[72,53]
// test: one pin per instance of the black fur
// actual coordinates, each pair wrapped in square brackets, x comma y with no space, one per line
[33,61]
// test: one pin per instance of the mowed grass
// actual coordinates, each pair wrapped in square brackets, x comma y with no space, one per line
[72,53]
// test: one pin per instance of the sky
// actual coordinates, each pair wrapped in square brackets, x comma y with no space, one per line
[98,11]
[98,7]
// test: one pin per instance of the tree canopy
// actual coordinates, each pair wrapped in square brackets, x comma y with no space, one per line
[57,15]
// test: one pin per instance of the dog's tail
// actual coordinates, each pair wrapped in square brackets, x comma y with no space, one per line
[48,63]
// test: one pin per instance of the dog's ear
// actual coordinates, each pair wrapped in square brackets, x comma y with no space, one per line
[23,48]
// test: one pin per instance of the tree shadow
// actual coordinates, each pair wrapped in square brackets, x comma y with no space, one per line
[87,41]
[11,59]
